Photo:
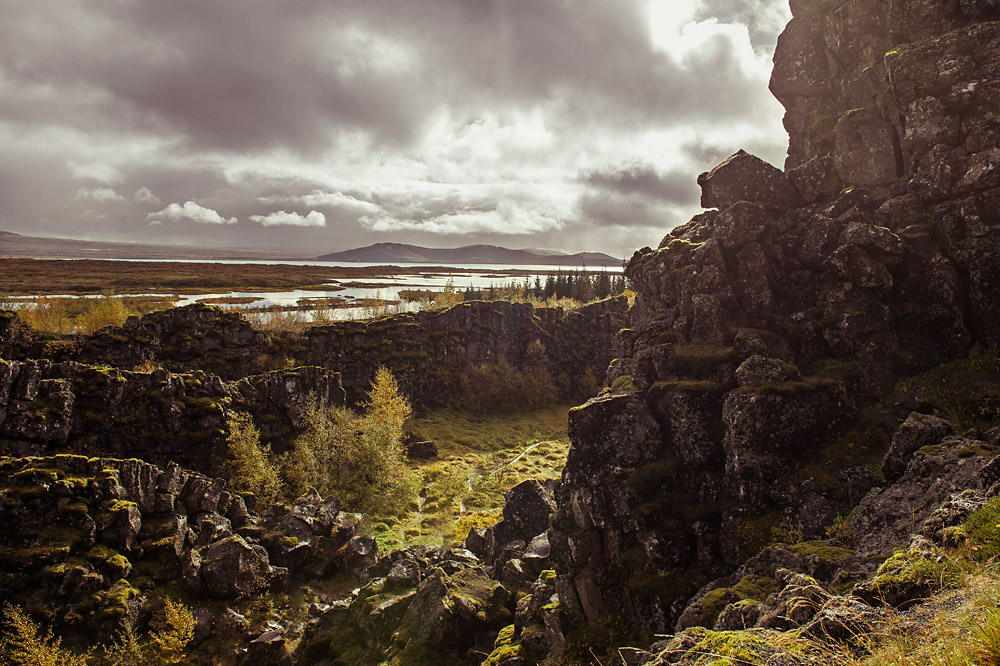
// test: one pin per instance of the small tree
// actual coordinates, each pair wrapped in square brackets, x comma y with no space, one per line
[360,458]
[252,469]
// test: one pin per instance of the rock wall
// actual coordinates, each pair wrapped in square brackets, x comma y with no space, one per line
[764,327]
[158,416]
[426,350]
[87,541]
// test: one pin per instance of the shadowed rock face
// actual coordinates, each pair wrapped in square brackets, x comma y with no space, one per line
[762,329]
[158,416]
[426,351]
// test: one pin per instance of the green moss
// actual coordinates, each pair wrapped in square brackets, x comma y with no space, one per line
[982,531]
[712,604]
[110,561]
[733,648]
[789,388]
[821,549]
[692,385]
[753,588]
[912,573]
[649,479]
[680,246]
[984,450]
[756,588]
[623,383]
[505,647]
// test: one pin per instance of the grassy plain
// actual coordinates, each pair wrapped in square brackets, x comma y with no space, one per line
[92,276]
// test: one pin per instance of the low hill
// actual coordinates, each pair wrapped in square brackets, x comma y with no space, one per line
[470,254]
[36,247]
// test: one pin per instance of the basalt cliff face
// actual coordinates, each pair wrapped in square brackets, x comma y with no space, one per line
[427,351]
[765,331]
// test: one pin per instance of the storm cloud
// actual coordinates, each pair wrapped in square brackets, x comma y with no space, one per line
[532,122]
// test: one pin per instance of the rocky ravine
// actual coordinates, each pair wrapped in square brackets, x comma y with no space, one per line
[753,461]
[426,351]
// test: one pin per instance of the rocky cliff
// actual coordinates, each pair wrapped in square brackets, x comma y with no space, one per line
[159,416]
[426,351]
[767,330]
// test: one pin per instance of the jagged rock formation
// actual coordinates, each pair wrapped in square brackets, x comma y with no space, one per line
[158,416]
[762,329]
[424,350]
[86,540]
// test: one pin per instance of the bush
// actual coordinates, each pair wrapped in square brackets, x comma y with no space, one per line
[252,469]
[360,458]
[24,643]
[108,310]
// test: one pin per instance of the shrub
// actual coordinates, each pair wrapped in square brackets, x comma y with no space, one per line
[252,469]
[24,643]
[108,310]
[46,315]
[176,629]
[166,645]
[360,458]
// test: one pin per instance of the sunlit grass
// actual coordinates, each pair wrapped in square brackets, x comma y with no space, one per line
[480,459]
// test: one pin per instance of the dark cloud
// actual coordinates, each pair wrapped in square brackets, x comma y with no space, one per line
[675,187]
[437,120]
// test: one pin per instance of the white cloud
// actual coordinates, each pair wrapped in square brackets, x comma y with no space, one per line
[98,171]
[99,194]
[189,211]
[313,219]
[145,195]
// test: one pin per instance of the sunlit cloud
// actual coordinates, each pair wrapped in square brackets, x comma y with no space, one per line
[191,212]
[281,218]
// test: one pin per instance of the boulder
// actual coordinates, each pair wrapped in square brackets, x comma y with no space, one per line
[746,177]
[232,567]
[917,431]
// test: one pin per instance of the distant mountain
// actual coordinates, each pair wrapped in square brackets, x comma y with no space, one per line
[35,247]
[470,254]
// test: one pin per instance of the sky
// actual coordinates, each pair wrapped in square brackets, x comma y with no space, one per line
[322,125]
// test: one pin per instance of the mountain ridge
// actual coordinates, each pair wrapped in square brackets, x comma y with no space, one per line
[468,254]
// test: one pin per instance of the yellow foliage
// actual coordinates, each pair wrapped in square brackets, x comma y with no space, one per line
[108,310]
[25,644]
[252,469]
[357,457]
[177,631]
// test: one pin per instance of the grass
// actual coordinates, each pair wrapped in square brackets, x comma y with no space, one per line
[479,460]
[92,276]
[955,623]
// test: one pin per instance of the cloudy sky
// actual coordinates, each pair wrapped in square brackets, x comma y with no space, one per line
[320,125]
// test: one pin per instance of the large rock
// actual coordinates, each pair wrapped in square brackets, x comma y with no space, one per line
[232,567]
[917,431]
[746,177]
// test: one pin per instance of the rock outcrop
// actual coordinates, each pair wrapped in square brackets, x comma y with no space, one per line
[86,540]
[765,331]
[426,351]
[158,416]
